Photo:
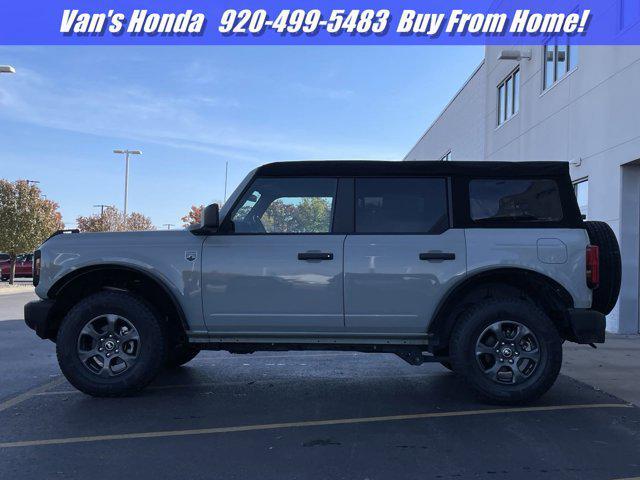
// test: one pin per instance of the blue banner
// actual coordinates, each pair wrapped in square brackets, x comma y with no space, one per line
[306,22]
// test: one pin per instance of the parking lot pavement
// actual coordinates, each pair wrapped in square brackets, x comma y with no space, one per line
[12,304]
[307,415]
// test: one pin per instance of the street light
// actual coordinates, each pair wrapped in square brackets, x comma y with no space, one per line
[7,69]
[126,173]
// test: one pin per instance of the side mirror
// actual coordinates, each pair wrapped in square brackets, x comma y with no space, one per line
[209,222]
[210,217]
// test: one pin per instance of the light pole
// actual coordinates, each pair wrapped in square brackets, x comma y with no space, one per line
[226,177]
[7,69]
[126,174]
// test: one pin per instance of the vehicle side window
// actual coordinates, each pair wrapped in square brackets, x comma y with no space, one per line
[512,200]
[286,205]
[401,205]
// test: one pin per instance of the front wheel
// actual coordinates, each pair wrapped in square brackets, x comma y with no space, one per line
[111,344]
[508,350]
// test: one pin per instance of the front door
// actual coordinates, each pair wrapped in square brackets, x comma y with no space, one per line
[403,256]
[276,266]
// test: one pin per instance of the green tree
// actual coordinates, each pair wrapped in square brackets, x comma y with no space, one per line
[307,215]
[26,219]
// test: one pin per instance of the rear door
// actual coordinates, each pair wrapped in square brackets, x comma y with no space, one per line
[403,256]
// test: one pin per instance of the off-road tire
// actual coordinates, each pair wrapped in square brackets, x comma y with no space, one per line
[468,329]
[605,295]
[151,357]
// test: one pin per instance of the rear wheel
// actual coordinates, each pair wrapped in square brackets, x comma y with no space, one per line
[111,344]
[508,350]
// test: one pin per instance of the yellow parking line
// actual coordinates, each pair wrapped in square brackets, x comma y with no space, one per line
[12,402]
[311,423]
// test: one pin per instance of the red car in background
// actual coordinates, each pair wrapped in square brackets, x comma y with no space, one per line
[24,266]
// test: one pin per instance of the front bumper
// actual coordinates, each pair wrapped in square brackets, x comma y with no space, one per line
[586,326]
[37,315]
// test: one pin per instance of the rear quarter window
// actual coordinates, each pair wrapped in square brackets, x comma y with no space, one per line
[515,201]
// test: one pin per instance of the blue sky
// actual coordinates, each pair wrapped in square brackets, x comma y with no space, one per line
[190,109]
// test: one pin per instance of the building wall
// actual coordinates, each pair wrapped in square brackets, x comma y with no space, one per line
[459,128]
[591,117]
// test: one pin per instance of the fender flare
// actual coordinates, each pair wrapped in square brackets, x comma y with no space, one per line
[61,284]
[556,297]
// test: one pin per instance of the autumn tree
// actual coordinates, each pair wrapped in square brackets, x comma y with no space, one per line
[26,219]
[194,215]
[112,220]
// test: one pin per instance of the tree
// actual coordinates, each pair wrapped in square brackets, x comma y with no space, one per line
[26,219]
[308,215]
[193,217]
[112,220]
[138,221]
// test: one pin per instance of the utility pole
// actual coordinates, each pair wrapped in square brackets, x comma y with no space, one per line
[126,174]
[102,207]
[168,225]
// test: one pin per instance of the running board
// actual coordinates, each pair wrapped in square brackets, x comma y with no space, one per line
[323,338]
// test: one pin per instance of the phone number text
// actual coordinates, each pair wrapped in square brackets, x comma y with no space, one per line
[299,21]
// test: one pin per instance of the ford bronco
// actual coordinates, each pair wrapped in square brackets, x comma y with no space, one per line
[485,267]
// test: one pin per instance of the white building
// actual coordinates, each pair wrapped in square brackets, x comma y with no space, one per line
[576,104]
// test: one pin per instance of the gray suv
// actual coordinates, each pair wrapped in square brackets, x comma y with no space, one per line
[485,267]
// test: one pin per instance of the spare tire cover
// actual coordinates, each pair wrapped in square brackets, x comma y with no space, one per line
[606,295]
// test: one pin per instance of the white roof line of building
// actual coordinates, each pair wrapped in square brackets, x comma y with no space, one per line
[446,107]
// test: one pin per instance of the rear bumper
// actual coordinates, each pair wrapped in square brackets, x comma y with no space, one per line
[37,315]
[586,326]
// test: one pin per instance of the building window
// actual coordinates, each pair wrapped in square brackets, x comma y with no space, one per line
[629,12]
[558,61]
[509,96]
[581,188]
[446,157]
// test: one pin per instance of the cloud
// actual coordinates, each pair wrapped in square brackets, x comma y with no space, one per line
[146,114]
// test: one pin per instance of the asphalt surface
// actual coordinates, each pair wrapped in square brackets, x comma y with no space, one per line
[299,415]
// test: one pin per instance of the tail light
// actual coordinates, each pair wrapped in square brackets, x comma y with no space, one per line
[36,268]
[593,266]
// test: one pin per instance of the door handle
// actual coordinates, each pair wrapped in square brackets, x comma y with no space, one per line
[315,256]
[430,256]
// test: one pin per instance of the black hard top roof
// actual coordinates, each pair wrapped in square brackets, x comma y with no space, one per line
[347,168]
